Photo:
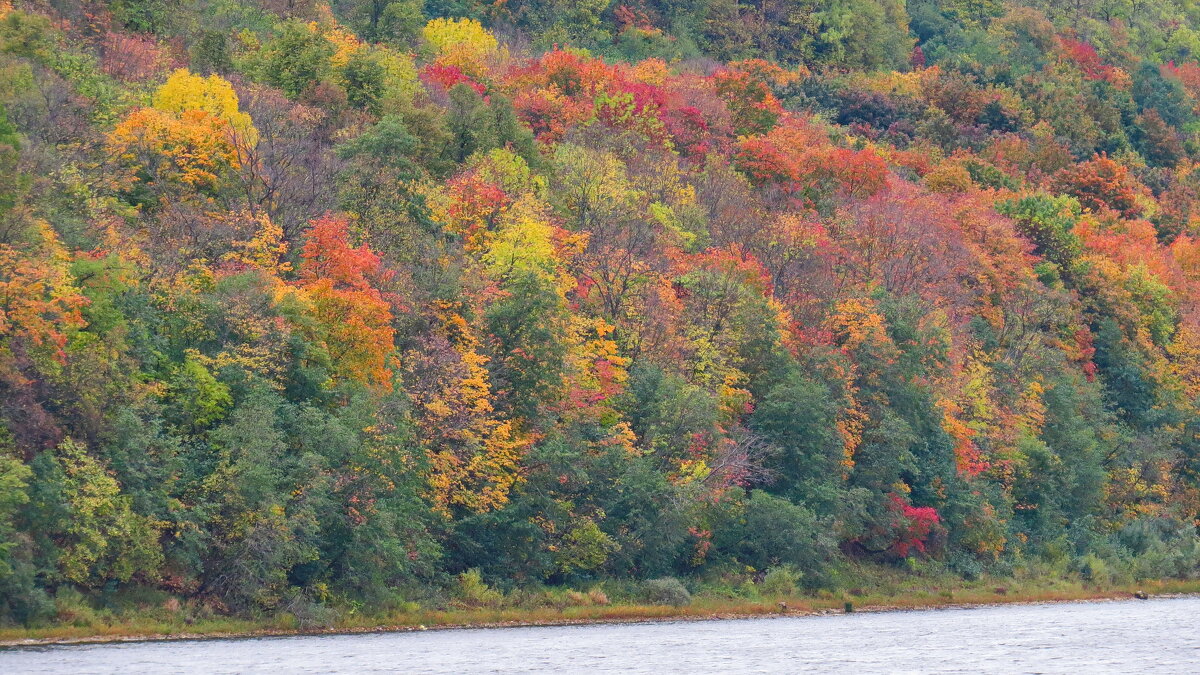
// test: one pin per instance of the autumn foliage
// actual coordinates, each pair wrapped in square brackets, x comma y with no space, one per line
[315,308]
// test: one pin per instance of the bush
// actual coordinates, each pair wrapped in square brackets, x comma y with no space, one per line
[771,531]
[72,608]
[666,591]
[307,614]
[780,581]
[472,592]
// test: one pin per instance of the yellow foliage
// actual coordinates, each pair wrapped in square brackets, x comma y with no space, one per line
[345,45]
[691,471]
[463,43]
[184,92]
[525,244]
[893,82]
[858,323]
[652,71]
[949,177]
[193,148]
[508,170]
[1032,407]
[474,456]
[400,82]
[596,373]
[265,250]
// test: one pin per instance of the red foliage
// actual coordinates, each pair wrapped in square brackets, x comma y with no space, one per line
[798,159]
[549,114]
[746,87]
[1101,184]
[1084,56]
[1086,351]
[475,205]
[328,256]
[688,130]
[354,316]
[1188,75]
[446,76]
[917,59]
[629,17]
[914,525]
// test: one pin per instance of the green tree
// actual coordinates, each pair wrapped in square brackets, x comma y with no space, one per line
[395,22]
[295,59]
[364,81]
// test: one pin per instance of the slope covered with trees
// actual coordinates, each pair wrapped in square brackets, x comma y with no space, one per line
[312,308]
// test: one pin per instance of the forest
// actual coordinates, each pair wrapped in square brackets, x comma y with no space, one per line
[323,308]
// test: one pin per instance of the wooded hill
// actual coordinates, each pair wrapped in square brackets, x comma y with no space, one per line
[309,307]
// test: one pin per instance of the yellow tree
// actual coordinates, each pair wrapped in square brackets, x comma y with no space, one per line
[184,91]
[462,43]
[188,138]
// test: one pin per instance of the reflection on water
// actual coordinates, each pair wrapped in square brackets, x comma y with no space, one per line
[1156,636]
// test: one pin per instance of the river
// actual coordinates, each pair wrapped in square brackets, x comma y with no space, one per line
[1153,636]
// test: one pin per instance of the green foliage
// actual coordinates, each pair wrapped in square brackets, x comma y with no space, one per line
[797,417]
[97,535]
[396,22]
[1049,223]
[14,481]
[665,591]
[295,59]
[211,54]
[768,531]
[11,180]
[364,78]
[780,581]
[388,307]
[472,592]
[585,548]
[142,16]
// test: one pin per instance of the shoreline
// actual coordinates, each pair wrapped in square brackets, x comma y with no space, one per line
[701,610]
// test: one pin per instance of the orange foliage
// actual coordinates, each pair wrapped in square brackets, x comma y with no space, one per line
[799,159]
[340,284]
[1102,184]
[194,149]
[38,303]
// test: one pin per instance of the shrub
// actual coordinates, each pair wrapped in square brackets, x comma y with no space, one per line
[771,531]
[666,591]
[1092,568]
[472,592]
[780,581]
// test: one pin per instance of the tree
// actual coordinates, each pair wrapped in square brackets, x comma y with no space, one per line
[184,92]
[395,22]
[163,153]
[364,81]
[11,179]
[799,418]
[1102,184]
[746,87]
[462,43]
[1049,223]
[89,524]
[295,59]
[340,285]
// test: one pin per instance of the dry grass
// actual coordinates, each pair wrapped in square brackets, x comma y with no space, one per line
[595,612]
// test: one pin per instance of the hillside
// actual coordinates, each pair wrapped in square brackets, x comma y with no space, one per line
[316,310]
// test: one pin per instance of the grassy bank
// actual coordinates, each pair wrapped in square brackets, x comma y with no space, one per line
[578,608]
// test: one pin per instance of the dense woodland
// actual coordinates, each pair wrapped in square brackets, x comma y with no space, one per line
[319,308]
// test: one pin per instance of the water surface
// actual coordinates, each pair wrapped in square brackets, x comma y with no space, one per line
[1155,636]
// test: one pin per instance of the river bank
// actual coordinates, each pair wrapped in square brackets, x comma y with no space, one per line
[702,608]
